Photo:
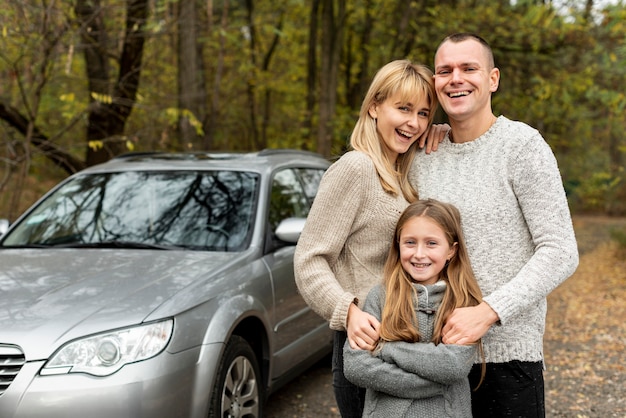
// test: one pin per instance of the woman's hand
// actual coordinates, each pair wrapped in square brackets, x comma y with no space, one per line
[433,136]
[362,329]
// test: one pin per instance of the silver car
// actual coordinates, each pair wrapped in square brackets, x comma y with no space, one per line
[159,285]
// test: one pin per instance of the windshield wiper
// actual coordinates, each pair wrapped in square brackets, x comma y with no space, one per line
[120,244]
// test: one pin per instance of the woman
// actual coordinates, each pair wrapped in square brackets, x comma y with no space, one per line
[342,249]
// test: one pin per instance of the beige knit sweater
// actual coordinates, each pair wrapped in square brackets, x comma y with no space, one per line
[343,248]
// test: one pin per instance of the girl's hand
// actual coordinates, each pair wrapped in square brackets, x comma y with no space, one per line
[362,329]
[433,136]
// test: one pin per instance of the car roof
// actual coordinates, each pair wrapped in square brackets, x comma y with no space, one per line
[248,161]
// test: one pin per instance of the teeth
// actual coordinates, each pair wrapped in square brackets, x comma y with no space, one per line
[459,94]
[405,133]
[421,265]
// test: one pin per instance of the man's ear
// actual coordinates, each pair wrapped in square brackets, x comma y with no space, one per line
[494,79]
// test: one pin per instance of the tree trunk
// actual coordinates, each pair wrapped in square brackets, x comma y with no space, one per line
[355,91]
[110,105]
[267,108]
[191,88]
[311,74]
[332,37]
[251,79]
[212,117]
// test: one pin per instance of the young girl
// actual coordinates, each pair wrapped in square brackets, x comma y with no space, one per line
[341,252]
[427,275]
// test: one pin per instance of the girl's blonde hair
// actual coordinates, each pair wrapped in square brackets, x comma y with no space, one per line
[412,82]
[399,320]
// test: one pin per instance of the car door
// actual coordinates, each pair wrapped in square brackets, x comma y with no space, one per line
[298,331]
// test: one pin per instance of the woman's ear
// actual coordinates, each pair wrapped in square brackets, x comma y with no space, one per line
[372,111]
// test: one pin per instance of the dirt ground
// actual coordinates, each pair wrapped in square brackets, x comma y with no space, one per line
[585,340]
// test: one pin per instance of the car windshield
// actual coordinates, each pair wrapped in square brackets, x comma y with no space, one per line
[199,210]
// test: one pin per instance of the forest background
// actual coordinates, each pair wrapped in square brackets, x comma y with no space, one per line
[86,80]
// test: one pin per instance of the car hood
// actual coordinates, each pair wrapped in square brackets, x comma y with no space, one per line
[48,297]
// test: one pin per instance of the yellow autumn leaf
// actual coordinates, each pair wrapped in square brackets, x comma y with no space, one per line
[95,145]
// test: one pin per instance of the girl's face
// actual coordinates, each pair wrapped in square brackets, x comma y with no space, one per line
[399,123]
[424,249]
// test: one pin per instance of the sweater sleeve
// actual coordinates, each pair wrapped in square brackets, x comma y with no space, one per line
[369,370]
[539,190]
[440,363]
[340,197]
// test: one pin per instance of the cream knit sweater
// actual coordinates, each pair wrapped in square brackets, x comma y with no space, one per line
[343,247]
[517,227]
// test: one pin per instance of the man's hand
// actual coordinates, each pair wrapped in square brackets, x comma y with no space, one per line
[362,329]
[468,325]
[433,136]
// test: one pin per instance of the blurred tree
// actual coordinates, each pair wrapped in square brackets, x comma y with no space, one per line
[332,27]
[243,75]
[191,81]
[111,98]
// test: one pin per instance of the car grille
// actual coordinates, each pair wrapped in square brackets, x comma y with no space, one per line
[11,361]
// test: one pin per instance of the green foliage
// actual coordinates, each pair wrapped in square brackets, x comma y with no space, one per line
[562,72]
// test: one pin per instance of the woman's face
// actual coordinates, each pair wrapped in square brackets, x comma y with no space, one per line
[400,123]
[424,249]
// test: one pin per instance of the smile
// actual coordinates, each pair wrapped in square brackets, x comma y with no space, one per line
[459,94]
[405,133]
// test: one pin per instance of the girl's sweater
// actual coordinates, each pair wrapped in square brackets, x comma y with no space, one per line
[420,380]
[342,250]
[517,226]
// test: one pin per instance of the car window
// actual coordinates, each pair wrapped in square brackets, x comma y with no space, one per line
[211,210]
[311,178]
[288,198]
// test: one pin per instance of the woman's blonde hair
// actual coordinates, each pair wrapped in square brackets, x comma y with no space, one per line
[399,320]
[412,82]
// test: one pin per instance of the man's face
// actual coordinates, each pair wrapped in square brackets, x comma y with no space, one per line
[465,79]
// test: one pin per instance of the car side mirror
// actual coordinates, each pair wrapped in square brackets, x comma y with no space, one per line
[289,229]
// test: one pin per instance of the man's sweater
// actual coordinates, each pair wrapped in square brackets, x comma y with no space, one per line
[517,227]
[342,250]
[412,379]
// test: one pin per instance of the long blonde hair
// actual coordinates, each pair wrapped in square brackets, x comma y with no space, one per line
[412,82]
[399,320]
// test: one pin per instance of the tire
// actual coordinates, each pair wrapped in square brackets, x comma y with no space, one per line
[238,390]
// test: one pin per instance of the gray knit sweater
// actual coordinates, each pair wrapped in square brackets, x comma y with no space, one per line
[342,250]
[517,226]
[412,379]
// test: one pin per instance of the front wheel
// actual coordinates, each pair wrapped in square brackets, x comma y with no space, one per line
[238,390]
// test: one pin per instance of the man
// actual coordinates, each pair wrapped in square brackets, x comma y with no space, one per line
[504,179]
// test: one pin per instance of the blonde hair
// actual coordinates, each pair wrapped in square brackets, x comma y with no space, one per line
[410,81]
[399,320]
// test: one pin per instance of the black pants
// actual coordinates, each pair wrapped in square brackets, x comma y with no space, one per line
[350,398]
[514,389]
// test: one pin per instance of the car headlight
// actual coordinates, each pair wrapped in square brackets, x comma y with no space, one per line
[104,354]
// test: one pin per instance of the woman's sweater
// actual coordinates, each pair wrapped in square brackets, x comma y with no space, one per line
[412,379]
[342,250]
[517,227]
